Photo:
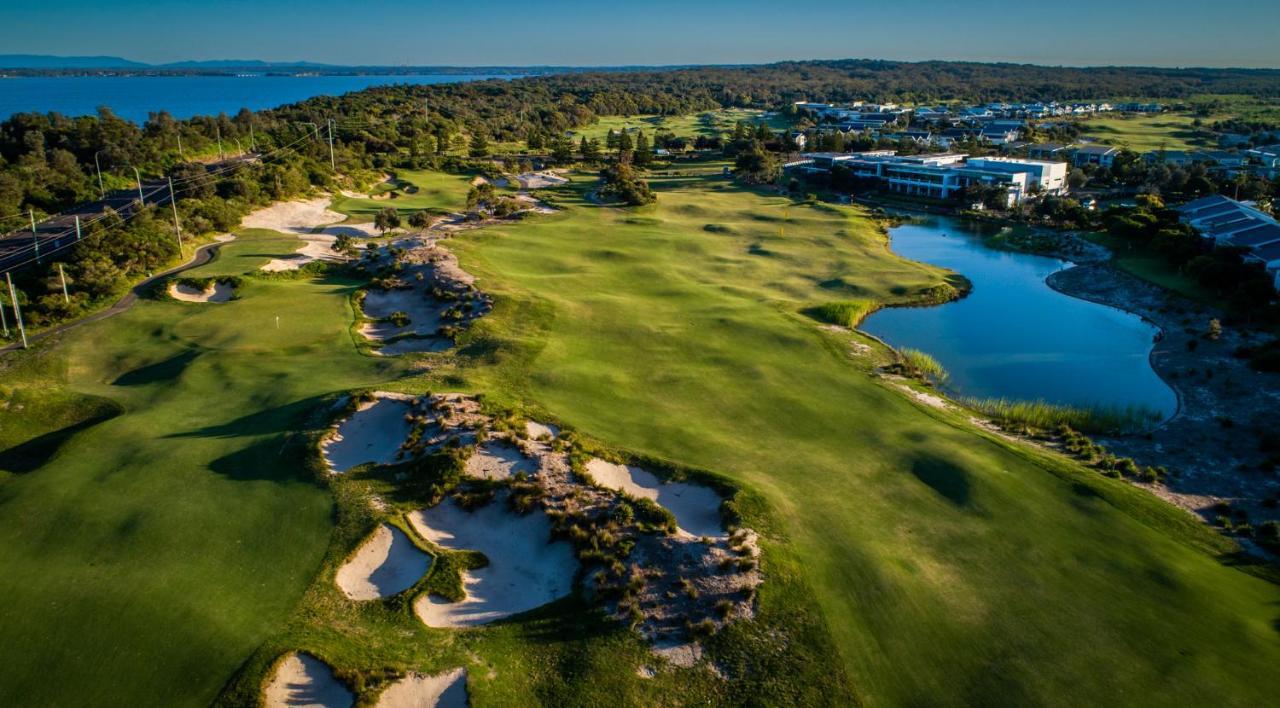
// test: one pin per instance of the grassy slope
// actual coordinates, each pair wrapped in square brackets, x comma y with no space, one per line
[156,549]
[1143,133]
[436,190]
[706,123]
[951,569]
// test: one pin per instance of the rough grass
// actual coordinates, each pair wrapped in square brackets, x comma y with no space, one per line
[1041,415]
[707,123]
[923,364]
[1142,133]
[847,313]
[436,191]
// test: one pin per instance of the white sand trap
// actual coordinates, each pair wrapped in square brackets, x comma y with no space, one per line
[696,508]
[385,564]
[218,292]
[540,180]
[303,680]
[446,690]
[422,309]
[315,247]
[298,217]
[525,569]
[537,430]
[374,433]
[495,459]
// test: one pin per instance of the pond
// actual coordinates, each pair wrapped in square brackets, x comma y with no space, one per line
[1015,337]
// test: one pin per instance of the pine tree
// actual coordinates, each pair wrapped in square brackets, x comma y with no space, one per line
[611,140]
[624,142]
[644,155]
[479,146]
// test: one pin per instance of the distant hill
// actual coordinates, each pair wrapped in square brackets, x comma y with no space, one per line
[244,64]
[44,61]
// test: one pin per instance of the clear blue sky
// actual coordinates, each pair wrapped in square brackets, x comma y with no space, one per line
[573,32]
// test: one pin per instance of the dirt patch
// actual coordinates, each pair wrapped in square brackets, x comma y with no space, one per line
[526,568]
[495,459]
[1212,447]
[218,291]
[303,680]
[696,508]
[385,564]
[446,690]
[374,433]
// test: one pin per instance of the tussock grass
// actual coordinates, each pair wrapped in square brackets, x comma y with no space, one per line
[846,313]
[923,365]
[1042,415]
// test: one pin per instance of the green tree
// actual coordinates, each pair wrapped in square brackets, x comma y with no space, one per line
[479,147]
[387,219]
[644,154]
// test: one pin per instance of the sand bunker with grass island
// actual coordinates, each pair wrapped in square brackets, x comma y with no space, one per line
[446,690]
[385,564]
[314,222]
[696,508]
[541,431]
[495,459]
[303,680]
[526,568]
[374,433]
[217,291]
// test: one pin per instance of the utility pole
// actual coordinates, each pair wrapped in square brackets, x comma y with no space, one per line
[62,274]
[17,314]
[35,237]
[173,202]
[78,236]
[181,154]
[239,150]
[332,163]
[102,193]
[253,144]
[4,321]
[141,200]
[218,130]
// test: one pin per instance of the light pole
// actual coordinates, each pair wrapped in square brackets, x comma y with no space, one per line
[332,163]
[141,200]
[173,202]
[102,193]
[17,313]
[35,237]
[218,130]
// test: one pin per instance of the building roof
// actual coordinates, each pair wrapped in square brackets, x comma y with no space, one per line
[1268,253]
[1097,149]
[1263,233]
[1202,202]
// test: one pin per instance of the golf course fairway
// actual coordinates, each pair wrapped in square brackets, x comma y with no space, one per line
[168,554]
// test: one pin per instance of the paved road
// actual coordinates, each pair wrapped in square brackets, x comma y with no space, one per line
[203,255]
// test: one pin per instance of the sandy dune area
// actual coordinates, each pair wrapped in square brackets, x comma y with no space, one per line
[385,564]
[696,508]
[537,431]
[526,570]
[495,459]
[303,680]
[540,180]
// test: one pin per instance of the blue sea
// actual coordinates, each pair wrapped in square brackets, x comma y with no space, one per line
[134,97]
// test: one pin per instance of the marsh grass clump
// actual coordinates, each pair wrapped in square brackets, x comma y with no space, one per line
[1042,415]
[920,365]
[846,313]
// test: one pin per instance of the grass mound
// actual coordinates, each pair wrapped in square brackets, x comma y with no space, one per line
[846,313]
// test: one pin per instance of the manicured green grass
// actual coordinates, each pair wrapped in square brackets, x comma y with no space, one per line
[152,552]
[953,568]
[909,558]
[434,190]
[707,123]
[1142,133]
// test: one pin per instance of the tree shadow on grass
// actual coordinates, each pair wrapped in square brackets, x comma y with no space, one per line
[274,459]
[948,479]
[159,372]
[34,453]
[305,415]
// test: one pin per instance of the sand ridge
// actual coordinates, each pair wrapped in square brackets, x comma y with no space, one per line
[385,564]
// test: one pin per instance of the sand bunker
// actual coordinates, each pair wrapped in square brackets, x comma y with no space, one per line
[696,508]
[385,564]
[422,309]
[540,180]
[374,433]
[305,218]
[217,292]
[447,690]
[526,570]
[495,459]
[538,431]
[303,680]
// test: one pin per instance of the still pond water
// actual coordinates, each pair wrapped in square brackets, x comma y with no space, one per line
[1014,336]
[133,97]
